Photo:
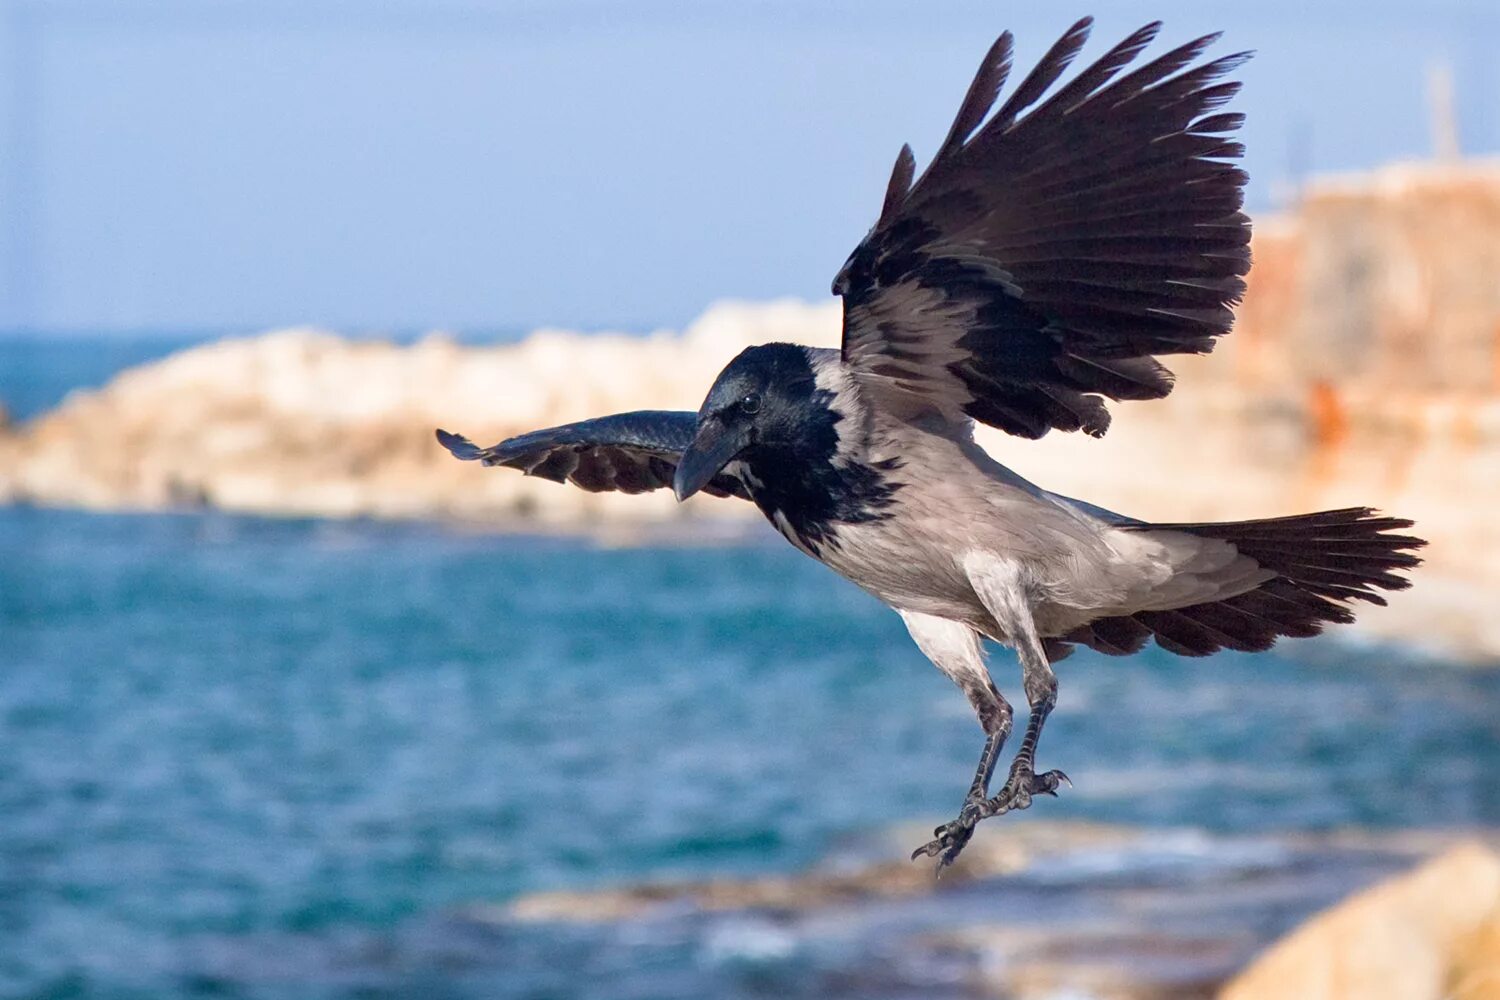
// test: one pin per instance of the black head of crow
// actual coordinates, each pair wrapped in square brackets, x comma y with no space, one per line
[764,408]
[767,416]
[1055,247]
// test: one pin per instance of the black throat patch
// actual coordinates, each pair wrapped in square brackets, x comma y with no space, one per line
[796,472]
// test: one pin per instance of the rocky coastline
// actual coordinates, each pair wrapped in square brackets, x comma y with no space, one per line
[1364,370]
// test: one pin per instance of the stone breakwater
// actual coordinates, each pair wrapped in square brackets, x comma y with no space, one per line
[1364,369]
[303,422]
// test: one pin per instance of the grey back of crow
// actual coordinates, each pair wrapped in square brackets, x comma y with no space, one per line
[1050,253]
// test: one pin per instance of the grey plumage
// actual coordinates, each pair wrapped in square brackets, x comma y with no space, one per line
[1038,266]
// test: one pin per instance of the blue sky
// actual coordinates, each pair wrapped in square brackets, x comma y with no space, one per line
[482,165]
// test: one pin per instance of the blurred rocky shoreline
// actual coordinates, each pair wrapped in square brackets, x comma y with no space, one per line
[1364,369]
[1040,909]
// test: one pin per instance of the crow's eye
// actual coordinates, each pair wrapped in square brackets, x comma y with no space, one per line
[750,403]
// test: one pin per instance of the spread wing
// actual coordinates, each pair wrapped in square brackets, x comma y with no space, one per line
[1044,258]
[630,452]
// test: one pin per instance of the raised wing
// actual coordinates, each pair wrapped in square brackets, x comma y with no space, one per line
[630,452]
[1043,259]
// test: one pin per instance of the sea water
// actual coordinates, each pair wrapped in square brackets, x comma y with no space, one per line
[283,758]
[231,746]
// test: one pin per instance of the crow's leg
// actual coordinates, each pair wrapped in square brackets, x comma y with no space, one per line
[954,648]
[1004,588]
[1041,694]
[951,838]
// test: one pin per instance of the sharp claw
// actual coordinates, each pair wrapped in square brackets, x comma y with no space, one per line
[950,854]
[948,842]
[930,849]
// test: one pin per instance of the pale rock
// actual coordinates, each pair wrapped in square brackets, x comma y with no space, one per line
[1432,934]
[1364,370]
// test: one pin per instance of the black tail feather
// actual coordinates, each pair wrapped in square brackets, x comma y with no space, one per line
[1322,562]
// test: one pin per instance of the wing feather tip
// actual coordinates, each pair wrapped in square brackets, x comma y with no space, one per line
[899,185]
[980,97]
[459,446]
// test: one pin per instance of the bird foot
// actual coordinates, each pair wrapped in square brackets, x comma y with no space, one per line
[950,839]
[1024,783]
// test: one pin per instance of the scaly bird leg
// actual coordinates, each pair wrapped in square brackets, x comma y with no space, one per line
[1041,695]
[1003,587]
[950,838]
[954,649]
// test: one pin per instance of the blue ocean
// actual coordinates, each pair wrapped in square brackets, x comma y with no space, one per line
[245,757]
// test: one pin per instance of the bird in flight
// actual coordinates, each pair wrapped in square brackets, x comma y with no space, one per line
[1050,252]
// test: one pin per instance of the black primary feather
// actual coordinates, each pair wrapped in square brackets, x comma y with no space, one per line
[900,182]
[982,93]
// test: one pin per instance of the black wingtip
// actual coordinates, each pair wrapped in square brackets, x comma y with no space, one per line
[460,446]
[899,186]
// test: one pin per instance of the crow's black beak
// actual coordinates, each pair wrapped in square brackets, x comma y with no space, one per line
[713,447]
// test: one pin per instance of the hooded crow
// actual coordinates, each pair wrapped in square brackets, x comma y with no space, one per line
[1050,252]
